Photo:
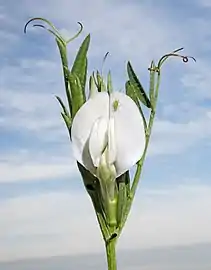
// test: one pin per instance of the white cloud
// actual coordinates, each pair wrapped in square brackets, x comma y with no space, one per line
[172,217]
[48,224]
[37,165]
[176,138]
[27,99]
[197,80]
[36,171]
[35,113]
[204,3]
[64,222]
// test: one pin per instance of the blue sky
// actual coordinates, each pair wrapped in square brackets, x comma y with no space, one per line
[43,204]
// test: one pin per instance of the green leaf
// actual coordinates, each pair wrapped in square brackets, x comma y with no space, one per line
[80,64]
[67,120]
[92,86]
[63,53]
[65,114]
[142,96]
[92,186]
[123,183]
[109,83]
[76,92]
[152,83]
[100,83]
[62,105]
[132,93]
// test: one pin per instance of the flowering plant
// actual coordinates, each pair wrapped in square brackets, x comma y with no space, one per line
[109,133]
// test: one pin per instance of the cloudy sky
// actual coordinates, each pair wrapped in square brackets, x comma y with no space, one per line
[44,209]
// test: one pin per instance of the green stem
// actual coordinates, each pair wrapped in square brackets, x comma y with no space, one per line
[141,161]
[111,254]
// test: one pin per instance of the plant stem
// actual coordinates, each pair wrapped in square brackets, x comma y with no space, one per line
[141,162]
[111,254]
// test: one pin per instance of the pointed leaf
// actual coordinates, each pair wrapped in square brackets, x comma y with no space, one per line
[142,96]
[100,83]
[62,105]
[67,120]
[92,86]
[123,183]
[109,83]
[76,93]
[130,91]
[80,64]
[65,114]
[121,203]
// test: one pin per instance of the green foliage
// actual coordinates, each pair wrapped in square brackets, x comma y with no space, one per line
[99,82]
[63,54]
[123,184]
[79,67]
[77,93]
[109,83]
[132,93]
[142,96]
[152,83]
[92,186]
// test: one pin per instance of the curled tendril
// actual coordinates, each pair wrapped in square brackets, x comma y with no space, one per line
[185,58]
[40,19]
[53,29]
[77,34]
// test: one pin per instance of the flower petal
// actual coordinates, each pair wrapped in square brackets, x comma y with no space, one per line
[111,141]
[129,132]
[98,139]
[83,122]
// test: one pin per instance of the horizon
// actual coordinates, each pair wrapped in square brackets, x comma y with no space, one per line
[182,257]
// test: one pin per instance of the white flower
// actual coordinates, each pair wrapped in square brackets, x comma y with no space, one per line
[109,129]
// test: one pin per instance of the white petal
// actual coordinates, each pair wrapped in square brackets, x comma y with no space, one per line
[98,139]
[129,132]
[94,108]
[112,151]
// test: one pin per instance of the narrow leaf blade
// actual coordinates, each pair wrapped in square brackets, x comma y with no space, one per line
[109,83]
[80,64]
[123,183]
[76,92]
[92,86]
[130,91]
[142,96]
[67,120]
[62,105]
